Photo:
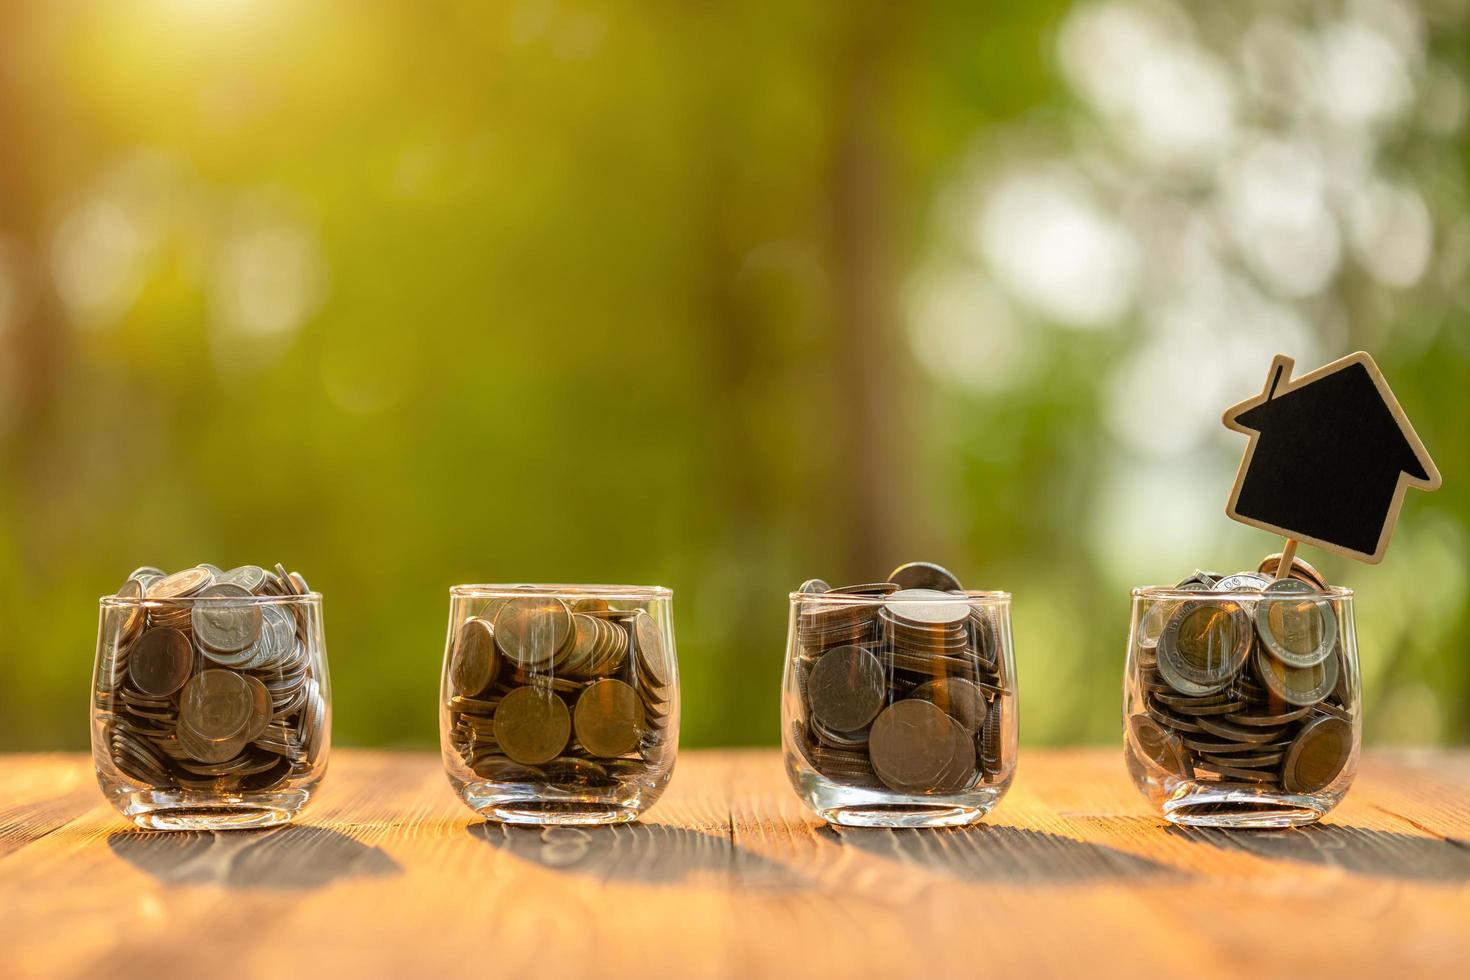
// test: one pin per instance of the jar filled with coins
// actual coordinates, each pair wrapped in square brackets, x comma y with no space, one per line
[1241,704]
[899,700]
[211,707]
[559,704]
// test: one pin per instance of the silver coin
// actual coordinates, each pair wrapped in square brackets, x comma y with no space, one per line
[926,607]
[248,577]
[1242,582]
[1296,623]
[225,627]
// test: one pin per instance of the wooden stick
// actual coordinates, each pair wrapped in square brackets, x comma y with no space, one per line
[1288,556]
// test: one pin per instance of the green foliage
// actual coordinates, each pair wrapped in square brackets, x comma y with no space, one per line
[407,295]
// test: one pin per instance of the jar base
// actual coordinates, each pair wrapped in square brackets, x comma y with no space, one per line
[906,815]
[159,810]
[1244,809]
[862,806]
[536,805]
[544,813]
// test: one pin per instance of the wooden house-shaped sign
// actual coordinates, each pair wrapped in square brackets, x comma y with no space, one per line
[1331,455]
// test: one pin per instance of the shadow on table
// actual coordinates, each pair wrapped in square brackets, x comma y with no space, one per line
[646,853]
[1355,849]
[281,857]
[1010,855]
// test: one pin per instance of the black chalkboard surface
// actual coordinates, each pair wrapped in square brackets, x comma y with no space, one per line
[1330,457]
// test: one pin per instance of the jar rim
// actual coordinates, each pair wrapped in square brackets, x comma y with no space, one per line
[969,596]
[1234,595]
[558,590]
[143,602]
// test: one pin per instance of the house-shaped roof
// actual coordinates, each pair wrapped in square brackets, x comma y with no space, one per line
[1330,456]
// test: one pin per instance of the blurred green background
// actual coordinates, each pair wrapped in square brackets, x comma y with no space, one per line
[719,296]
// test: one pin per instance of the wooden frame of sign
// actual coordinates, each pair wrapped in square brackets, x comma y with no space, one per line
[1342,440]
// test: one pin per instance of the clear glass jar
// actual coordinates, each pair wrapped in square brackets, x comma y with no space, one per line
[211,710]
[559,704]
[899,710]
[1242,708]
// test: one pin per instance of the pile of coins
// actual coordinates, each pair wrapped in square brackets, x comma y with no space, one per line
[900,686]
[198,692]
[1241,690]
[561,693]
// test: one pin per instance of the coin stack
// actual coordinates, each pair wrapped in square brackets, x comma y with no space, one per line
[566,694]
[1243,690]
[198,692]
[900,686]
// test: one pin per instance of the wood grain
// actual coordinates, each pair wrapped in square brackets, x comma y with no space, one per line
[388,875]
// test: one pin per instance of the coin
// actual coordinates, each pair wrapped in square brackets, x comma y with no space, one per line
[532,725]
[1319,752]
[1237,733]
[225,627]
[993,739]
[1296,624]
[1158,745]
[1296,686]
[963,700]
[1203,646]
[650,643]
[925,607]
[217,705]
[1274,719]
[925,575]
[251,578]
[911,746]
[124,620]
[475,661]
[180,584]
[959,775]
[531,629]
[161,661]
[1241,582]
[1300,569]
[813,586]
[846,688]
[608,718]
[866,589]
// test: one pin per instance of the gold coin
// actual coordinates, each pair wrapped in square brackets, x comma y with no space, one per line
[608,718]
[476,661]
[530,630]
[532,725]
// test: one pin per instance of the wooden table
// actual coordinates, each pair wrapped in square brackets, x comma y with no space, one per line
[388,875]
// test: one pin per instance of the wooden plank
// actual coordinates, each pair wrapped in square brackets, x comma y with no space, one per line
[387,874]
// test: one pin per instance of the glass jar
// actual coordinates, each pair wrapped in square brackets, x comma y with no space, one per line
[211,706]
[1241,707]
[559,704]
[898,708]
